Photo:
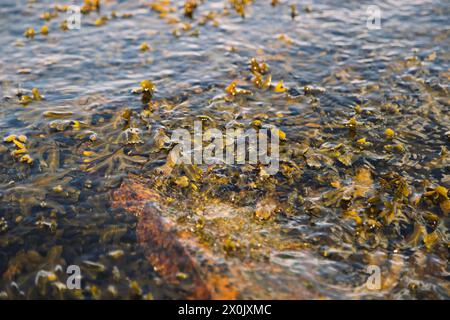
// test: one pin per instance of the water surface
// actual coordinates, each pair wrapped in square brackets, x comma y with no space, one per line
[349,202]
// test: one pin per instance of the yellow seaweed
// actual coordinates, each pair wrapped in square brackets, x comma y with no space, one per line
[280,87]
[29,33]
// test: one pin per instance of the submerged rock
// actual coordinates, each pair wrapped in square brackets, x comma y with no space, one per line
[181,257]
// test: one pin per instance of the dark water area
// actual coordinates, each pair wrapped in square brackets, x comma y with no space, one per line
[364,163]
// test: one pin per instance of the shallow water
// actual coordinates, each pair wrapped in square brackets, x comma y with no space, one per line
[346,203]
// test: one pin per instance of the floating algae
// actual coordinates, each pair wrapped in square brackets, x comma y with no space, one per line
[44,30]
[21,149]
[29,33]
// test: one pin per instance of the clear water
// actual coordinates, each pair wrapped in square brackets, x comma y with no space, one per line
[57,210]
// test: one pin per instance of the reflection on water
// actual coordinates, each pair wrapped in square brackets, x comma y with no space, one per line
[364,170]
